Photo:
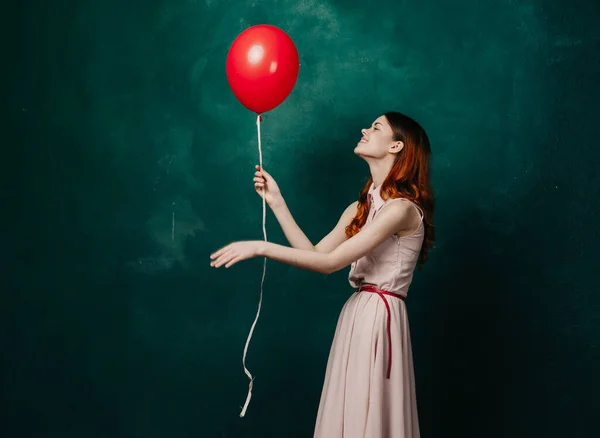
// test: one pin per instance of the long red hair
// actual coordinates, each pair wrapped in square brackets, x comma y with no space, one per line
[408,178]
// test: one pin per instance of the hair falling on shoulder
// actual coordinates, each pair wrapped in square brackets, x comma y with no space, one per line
[408,178]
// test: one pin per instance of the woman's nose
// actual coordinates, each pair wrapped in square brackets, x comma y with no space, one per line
[363,131]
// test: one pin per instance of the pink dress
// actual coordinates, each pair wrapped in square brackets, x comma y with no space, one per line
[358,399]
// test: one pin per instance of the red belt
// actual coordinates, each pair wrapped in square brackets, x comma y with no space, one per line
[382,294]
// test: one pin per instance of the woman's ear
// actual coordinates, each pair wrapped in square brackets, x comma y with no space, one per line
[397,147]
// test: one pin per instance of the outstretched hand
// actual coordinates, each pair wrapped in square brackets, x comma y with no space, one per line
[236,252]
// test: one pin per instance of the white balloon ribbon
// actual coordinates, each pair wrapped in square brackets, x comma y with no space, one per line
[264,217]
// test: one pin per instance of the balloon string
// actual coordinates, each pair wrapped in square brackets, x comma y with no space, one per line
[264,217]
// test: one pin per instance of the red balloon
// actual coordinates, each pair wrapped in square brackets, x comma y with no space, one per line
[262,67]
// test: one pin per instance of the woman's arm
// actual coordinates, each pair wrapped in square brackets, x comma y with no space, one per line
[338,235]
[395,218]
[296,237]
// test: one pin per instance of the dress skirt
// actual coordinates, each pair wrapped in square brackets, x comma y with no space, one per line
[358,400]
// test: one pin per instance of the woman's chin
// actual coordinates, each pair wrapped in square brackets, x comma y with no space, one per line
[359,150]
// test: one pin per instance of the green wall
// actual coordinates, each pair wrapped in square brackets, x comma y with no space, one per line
[119,117]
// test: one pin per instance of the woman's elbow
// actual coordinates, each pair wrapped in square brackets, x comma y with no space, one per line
[332,266]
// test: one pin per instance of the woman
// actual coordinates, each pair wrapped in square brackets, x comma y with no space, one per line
[369,389]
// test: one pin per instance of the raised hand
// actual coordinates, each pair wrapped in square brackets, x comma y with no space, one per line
[272,194]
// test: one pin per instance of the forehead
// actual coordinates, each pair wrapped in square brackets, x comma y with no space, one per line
[381,121]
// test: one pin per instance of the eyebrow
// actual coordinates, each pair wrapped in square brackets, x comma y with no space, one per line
[377,123]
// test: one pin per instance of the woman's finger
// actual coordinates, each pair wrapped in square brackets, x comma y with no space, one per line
[216,262]
[220,252]
[223,259]
[266,174]
[233,261]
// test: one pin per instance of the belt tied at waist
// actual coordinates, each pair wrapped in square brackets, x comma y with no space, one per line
[382,294]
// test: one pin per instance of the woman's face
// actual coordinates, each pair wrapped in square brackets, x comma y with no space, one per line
[378,141]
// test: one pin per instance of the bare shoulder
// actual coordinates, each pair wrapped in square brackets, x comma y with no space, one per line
[351,210]
[403,213]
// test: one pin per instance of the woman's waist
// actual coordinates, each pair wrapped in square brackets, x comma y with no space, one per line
[374,288]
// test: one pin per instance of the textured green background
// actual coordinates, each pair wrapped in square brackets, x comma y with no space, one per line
[119,116]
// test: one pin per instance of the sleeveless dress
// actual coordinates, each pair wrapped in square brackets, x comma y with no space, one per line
[358,399]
